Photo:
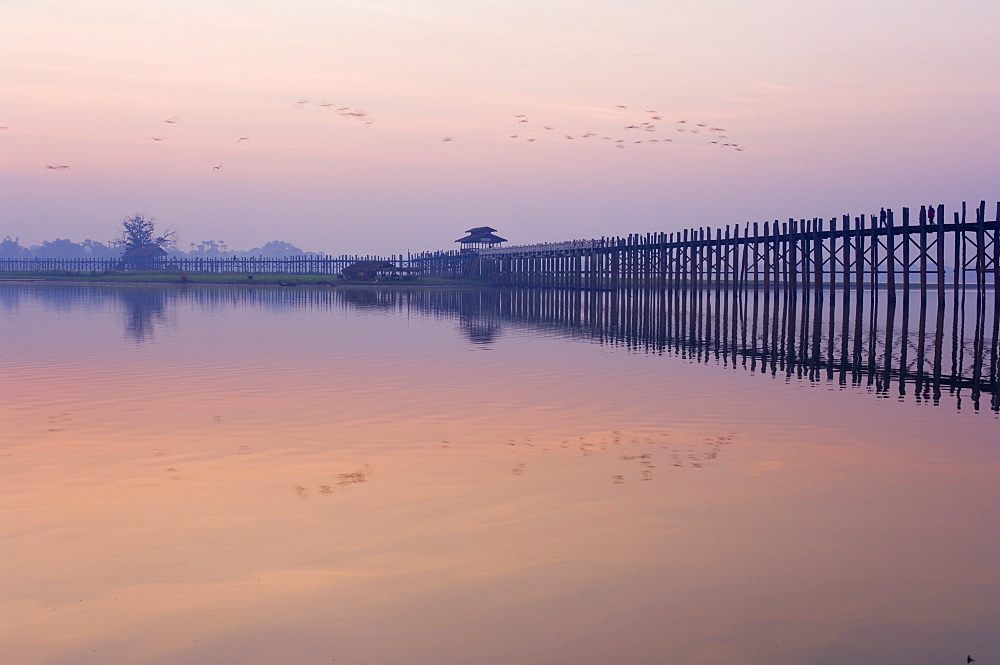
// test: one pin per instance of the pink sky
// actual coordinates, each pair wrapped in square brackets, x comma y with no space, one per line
[838,108]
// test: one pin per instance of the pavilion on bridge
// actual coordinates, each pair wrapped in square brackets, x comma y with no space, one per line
[481,237]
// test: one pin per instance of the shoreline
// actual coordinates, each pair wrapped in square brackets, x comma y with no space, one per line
[228,279]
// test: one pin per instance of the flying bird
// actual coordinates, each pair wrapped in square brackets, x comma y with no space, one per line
[217,167]
[171,120]
[156,138]
[447,138]
[243,138]
[57,167]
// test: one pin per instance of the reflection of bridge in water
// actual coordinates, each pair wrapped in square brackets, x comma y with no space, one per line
[888,340]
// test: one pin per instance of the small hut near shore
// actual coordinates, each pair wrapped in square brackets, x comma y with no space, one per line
[147,257]
[480,237]
[367,271]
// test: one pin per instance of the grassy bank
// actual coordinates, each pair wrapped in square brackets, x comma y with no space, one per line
[219,278]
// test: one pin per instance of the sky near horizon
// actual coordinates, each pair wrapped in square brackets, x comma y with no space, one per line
[815,110]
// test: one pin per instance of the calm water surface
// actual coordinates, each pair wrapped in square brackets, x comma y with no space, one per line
[258,476]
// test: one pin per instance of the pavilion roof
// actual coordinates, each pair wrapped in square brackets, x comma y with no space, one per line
[485,237]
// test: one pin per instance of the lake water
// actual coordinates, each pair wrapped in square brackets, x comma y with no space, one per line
[301,476]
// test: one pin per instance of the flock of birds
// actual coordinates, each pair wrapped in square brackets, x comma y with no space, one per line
[642,128]
[348,112]
[635,128]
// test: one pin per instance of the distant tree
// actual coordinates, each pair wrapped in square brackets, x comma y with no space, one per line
[60,248]
[10,248]
[97,250]
[211,249]
[140,231]
[276,249]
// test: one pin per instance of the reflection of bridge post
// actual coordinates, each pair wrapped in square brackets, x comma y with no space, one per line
[890,317]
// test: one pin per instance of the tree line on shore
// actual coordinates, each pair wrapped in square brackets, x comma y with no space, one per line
[138,231]
[64,248]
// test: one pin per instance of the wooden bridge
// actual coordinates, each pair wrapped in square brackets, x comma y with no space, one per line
[930,249]
[873,249]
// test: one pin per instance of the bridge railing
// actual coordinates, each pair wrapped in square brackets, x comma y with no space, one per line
[291,265]
[567,245]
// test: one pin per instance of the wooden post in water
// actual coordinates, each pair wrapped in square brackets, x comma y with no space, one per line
[832,253]
[758,245]
[922,317]
[979,334]
[704,287]
[994,350]
[766,310]
[859,265]
[907,266]
[886,219]
[955,281]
